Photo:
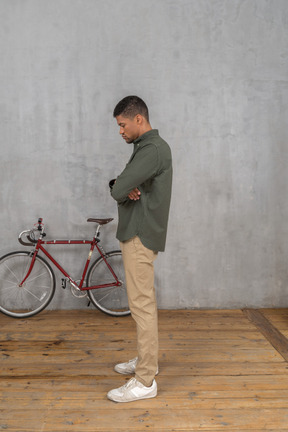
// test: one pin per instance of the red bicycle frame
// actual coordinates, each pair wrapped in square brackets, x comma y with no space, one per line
[93,243]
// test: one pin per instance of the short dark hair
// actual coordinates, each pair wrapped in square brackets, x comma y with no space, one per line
[130,106]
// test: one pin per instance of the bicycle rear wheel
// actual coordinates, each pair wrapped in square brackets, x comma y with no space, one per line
[34,295]
[111,300]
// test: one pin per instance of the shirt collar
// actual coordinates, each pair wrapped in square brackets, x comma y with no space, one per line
[151,133]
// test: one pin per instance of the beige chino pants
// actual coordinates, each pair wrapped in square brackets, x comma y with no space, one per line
[139,271]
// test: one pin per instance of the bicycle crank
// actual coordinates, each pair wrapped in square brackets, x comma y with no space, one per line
[76,291]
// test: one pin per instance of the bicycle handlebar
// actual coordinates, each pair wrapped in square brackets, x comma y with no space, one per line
[30,234]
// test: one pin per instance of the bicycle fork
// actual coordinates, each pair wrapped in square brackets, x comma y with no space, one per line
[33,254]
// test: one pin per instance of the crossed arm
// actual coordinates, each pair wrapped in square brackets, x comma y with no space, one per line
[134,195]
[142,167]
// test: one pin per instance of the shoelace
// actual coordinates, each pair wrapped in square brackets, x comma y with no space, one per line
[133,360]
[130,383]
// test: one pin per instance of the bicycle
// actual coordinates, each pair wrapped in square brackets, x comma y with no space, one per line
[27,281]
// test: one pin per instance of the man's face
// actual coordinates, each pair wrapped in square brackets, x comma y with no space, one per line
[129,128]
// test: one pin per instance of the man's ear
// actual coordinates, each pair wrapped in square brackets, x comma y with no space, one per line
[139,119]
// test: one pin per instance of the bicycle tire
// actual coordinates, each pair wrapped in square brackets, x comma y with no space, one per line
[37,291]
[110,300]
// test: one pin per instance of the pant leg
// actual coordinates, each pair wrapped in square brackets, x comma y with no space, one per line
[139,271]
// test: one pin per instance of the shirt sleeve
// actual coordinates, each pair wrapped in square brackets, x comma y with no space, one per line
[142,167]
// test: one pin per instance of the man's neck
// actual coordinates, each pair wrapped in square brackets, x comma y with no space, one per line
[146,128]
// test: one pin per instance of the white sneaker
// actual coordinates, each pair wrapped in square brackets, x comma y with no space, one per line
[129,367]
[133,390]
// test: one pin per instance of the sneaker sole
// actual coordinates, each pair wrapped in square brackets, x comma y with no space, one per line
[123,372]
[129,373]
[114,399]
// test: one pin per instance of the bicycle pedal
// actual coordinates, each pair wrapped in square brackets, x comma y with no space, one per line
[63,283]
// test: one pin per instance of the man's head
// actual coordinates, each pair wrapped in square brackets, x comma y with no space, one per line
[130,106]
[132,117]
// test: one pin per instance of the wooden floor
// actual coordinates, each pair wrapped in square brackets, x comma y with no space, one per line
[219,371]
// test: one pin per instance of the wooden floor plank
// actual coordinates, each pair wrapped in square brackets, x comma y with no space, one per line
[218,372]
[99,419]
[172,368]
[89,393]
[272,334]
[87,355]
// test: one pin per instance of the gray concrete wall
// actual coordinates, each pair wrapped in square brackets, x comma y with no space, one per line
[215,76]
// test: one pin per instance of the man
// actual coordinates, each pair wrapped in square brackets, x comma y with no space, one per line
[143,192]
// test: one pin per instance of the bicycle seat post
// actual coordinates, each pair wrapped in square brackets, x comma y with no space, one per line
[97,233]
[99,222]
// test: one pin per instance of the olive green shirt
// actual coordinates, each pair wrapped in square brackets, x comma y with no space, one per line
[150,170]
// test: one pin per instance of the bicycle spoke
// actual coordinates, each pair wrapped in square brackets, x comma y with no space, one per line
[104,296]
[8,268]
[32,294]
[35,277]
[11,282]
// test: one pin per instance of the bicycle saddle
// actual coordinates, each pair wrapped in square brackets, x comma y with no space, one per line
[100,221]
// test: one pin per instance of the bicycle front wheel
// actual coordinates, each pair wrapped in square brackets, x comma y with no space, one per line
[34,295]
[112,300]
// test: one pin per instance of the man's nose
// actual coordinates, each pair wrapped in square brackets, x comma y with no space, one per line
[121,131]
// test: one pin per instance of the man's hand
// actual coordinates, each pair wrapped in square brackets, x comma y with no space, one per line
[134,195]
